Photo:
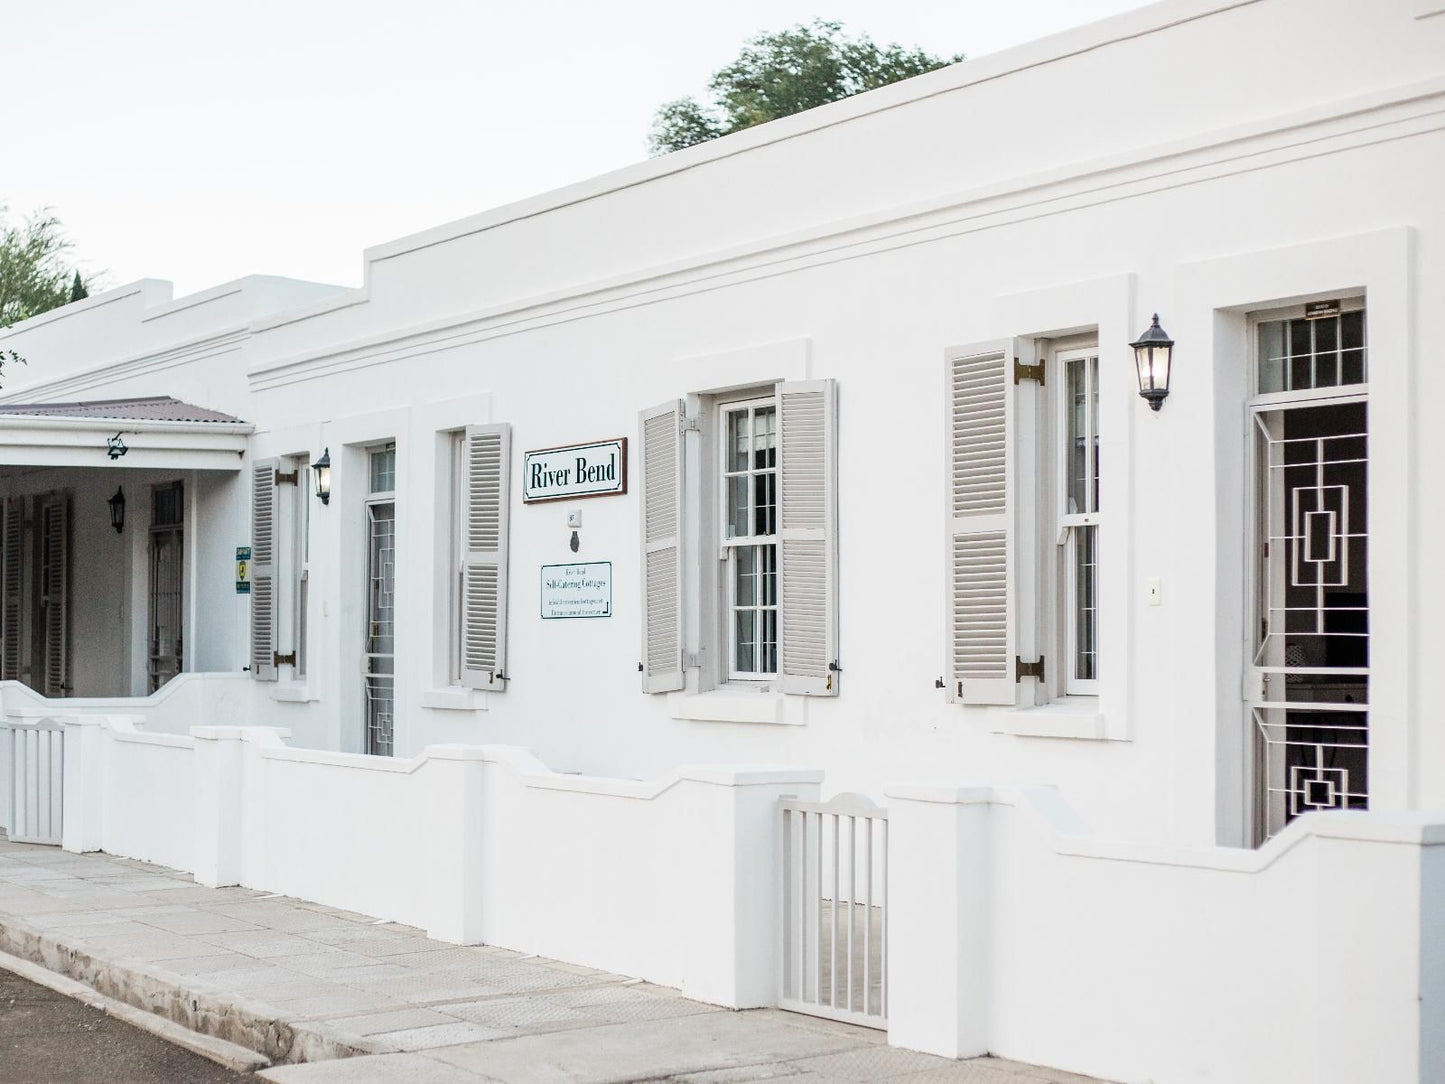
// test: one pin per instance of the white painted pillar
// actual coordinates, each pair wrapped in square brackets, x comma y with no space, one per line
[219,827]
[732,853]
[84,781]
[453,780]
[939,872]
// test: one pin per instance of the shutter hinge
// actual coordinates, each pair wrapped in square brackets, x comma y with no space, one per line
[284,479]
[1028,372]
[687,425]
[278,659]
[690,660]
[1028,669]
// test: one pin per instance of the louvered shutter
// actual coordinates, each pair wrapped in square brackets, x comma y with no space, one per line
[263,569]
[14,532]
[486,472]
[55,540]
[662,519]
[808,537]
[980,437]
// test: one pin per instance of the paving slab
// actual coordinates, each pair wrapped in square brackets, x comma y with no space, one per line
[335,997]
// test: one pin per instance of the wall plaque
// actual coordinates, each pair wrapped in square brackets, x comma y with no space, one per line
[577,470]
[577,590]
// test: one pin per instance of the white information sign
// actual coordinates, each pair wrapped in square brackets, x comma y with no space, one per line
[578,590]
[578,470]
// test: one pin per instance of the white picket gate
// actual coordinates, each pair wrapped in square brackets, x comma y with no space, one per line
[34,772]
[835,910]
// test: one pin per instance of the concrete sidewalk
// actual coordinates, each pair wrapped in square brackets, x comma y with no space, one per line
[343,997]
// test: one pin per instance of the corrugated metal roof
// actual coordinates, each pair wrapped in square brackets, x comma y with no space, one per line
[161,408]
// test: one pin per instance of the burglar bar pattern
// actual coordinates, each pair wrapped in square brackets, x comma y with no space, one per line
[835,910]
[34,769]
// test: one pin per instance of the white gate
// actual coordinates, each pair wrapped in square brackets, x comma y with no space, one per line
[835,910]
[34,764]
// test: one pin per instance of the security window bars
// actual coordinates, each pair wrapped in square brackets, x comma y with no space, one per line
[1301,355]
[750,536]
[1079,519]
[166,550]
[379,655]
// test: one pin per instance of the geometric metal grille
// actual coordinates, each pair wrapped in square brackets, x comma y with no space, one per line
[166,564]
[1311,726]
[834,952]
[379,659]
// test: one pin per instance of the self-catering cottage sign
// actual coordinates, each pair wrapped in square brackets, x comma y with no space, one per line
[578,470]
[580,590]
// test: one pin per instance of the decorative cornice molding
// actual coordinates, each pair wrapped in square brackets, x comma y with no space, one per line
[1334,127]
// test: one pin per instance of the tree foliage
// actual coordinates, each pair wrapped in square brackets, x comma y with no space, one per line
[779,74]
[35,276]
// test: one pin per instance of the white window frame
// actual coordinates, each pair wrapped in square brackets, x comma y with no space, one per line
[728,546]
[300,555]
[1072,524]
[455,556]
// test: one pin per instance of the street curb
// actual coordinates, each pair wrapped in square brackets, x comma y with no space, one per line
[182,1001]
[233,1057]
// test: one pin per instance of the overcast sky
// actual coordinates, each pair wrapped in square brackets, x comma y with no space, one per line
[199,141]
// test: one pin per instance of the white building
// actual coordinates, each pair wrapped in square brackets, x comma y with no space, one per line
[890,509]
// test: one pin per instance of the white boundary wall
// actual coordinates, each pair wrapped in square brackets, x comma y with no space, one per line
[1012,929]
[1319,957]
[672,881]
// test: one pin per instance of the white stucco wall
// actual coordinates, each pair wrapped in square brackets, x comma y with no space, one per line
[1283,149]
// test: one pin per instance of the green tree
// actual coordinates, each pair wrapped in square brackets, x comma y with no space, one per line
[79,291]
[35,277]
[779,74]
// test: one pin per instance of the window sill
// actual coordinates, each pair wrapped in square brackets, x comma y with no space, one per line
[456,698]
[734,705]
[293,693]
[1069,717]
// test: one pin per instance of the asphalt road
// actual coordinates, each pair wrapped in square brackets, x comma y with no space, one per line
[46,1038]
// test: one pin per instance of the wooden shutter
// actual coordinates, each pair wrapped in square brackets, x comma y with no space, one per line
[979,400]
[263,569]
[12,577]
[662,520]
[808,537]
[486,472]
[55,597]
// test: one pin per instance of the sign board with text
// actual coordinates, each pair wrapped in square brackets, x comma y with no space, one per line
[577,470]
[583,589]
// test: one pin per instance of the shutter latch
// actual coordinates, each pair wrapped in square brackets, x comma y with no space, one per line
[1028,372]
[1028,669]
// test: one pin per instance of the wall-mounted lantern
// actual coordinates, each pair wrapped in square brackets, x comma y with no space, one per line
[1153,354]
[117,510]
[115,447]
[322,467]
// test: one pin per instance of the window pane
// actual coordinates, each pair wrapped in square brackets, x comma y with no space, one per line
[765,445]
[737,525]
[1076,453]
[1271,356]
[1094,429]
[383,470]
[769,582]
[768,649]
[1301,355]
[1352,348]
[745,580]
[745,641]
[765,507]
[1086,611]
[1327,356]
[737,428]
